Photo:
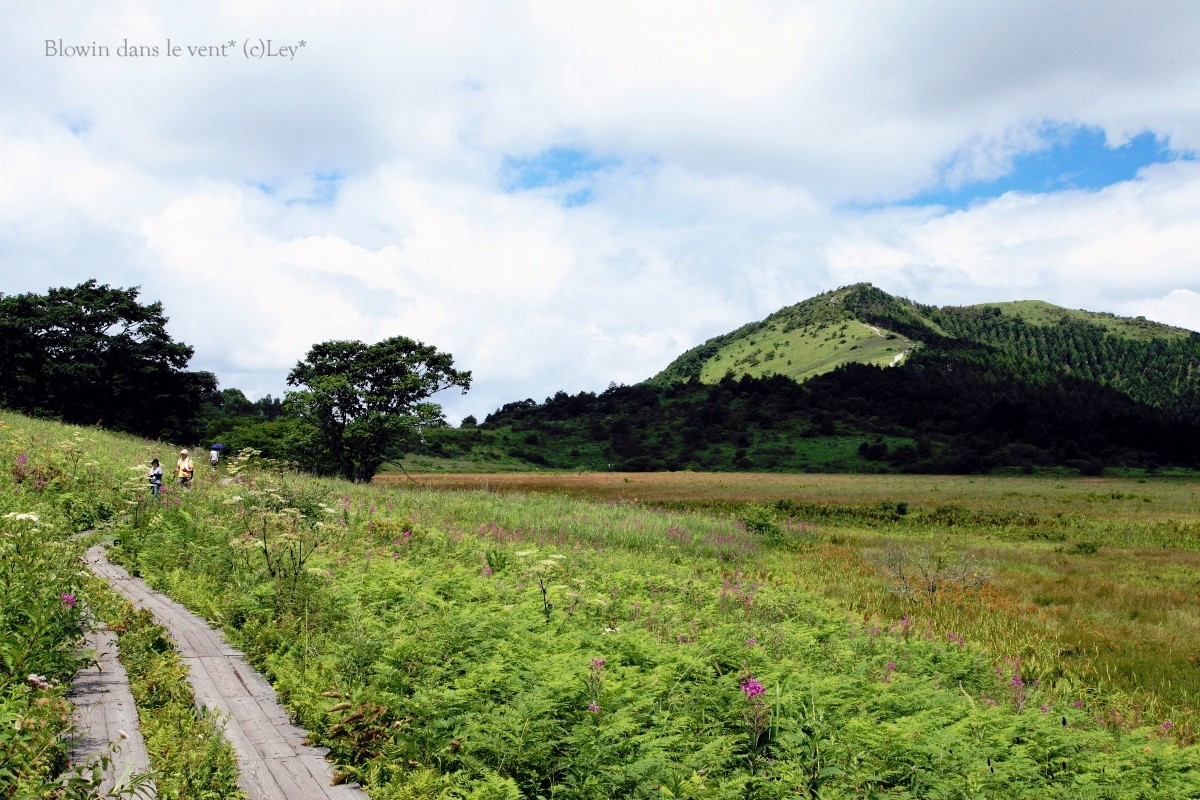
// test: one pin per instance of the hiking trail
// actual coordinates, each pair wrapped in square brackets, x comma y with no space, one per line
[274,763]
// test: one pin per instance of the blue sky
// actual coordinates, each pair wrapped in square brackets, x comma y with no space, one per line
[1072,157]
[319,188]
[561,166]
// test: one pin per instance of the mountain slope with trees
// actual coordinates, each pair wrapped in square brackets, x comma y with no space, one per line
[1151,362]
[952,389]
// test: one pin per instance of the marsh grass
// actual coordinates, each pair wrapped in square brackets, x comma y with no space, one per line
[1115,622]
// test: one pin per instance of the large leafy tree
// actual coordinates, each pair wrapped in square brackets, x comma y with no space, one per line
[369,401]
[92,354]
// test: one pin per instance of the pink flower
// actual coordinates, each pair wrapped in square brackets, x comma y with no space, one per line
[752,688]
[593,707]
[68,599]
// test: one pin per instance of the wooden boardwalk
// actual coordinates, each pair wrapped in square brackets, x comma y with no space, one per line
[273,761]
[105,713]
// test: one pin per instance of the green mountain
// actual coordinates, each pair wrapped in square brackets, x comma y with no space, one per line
[860,324]
[858,380]
[806,339]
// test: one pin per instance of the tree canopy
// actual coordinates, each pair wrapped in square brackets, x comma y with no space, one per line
[92,354]
[370,401]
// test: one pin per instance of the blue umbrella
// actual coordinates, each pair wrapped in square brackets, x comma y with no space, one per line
[218,446]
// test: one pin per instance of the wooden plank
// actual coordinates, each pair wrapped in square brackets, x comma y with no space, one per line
[308,770]
[105,713]
[273,761]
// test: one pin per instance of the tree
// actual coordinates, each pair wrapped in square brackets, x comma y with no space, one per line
[370,401]
[93,354]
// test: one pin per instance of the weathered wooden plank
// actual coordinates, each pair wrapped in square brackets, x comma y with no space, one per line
[273,761]
[306,771]
[105,713]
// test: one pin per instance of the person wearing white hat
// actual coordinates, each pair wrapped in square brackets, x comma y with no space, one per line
[184,469]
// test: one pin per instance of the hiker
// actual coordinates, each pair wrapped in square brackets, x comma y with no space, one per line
[155,477]
[184,469]
[214,456]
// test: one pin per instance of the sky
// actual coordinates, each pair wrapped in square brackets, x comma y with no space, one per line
[566,194]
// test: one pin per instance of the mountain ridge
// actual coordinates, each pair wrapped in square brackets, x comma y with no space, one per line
[881,383]
[860,324]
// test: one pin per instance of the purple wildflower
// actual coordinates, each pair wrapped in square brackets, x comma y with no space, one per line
[751,642]
[593,707]
[67,599]
[598,664]
[752,688]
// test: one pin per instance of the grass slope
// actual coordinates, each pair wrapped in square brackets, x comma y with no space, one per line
[1038,312]
[806,339]
[801,353]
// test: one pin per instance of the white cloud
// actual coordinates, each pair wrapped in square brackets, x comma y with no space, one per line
[1078,249]
[741,134]
[1180,307]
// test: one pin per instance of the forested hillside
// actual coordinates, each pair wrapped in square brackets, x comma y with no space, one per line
[1160,370]
[857,379]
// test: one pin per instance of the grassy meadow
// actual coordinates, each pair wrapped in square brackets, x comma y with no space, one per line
[700,636]
[1095,578]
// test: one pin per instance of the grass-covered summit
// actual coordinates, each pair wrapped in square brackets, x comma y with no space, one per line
[803,340]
